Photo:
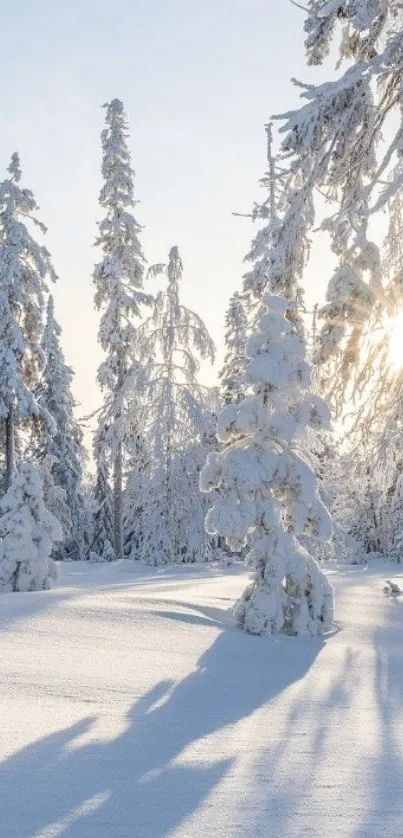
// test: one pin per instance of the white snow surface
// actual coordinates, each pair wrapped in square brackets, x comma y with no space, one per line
[131,707]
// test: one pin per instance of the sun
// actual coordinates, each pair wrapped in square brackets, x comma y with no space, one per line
[394,331]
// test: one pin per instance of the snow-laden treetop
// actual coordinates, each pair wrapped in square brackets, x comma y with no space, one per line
[118,278]
[25,269]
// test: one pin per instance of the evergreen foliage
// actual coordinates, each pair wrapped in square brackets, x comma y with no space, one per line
[103,532]
[268,493]
[235,340]
[25,267]
[27,534]
[62,444]
[175,418]
[118,280]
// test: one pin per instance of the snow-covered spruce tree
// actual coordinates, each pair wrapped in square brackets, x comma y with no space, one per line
[175,418]
[268,493]
[24,268]
[62,445]
[27,534]
[118,280]
[235,340]
[103,530]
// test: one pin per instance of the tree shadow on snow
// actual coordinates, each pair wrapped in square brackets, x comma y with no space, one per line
[287,775]
[384,815]
[339,755]
[141,784]
[206,614]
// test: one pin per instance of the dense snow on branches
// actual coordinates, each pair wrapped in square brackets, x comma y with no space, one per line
[119,294]
[27,532]
[174,424]
[118,278]
[25,268]
[344,143]
[268,493]
[36,403]
[270,475]
[235,341]
[363,21]
[103,534]
[62,442]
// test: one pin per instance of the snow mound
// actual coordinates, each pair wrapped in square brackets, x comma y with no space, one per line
[391,588]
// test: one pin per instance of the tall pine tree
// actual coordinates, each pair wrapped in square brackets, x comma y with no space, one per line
[24,268]
[118,280]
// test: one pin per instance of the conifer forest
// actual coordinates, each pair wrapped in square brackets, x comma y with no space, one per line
[201,547]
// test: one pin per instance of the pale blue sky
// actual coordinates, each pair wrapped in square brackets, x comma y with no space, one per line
[198,80]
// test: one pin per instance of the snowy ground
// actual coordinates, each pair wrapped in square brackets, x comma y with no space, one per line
[131,708]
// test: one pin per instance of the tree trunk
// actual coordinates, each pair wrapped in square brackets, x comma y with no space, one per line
[10,446]
[118,502]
